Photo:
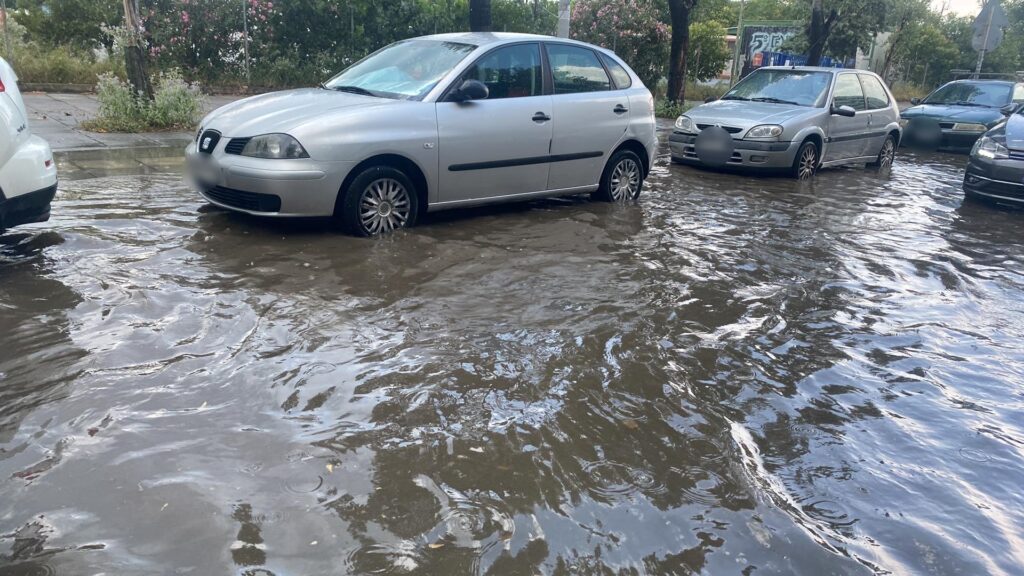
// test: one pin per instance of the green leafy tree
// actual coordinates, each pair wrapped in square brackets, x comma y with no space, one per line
[77,23]
[629,27]
[708,51]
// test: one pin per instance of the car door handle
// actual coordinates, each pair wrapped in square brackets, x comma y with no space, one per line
[541,117]
[620,109]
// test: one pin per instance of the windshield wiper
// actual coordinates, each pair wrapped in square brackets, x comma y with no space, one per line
[734,98]
[966,103]
[352,90]
[775,100]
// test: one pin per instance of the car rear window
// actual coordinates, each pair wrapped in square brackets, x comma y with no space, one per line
[874,92]
[619,74]
[576,69]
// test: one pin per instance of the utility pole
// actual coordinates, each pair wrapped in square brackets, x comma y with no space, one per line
[736,69]
[7,37]
[245,40]
[563,18]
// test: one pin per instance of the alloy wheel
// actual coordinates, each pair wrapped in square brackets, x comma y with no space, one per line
[384,206]
[808,162]
[888,154]
[625,181]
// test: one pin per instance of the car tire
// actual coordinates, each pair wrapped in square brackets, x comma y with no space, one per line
[806,162]
[380,200]
[622,179]
[886,155]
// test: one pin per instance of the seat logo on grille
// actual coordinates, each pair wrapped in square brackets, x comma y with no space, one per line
[206,144]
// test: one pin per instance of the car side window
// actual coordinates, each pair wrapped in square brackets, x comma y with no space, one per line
[575,69]
[1018,93]
[848,92]
[509,72]
[619,74]
[874,92]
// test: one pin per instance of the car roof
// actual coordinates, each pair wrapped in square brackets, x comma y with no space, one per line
[984,81]
[494,38]
[812,69]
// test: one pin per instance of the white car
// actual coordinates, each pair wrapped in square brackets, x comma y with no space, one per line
[28,175]
[433,123]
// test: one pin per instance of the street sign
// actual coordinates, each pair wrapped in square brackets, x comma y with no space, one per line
[989,26]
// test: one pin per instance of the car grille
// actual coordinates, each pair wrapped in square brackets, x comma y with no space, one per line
[1017,154]
[946,125]
[208,141]
[1005,189]
[729,129]
[245,200]
[236,145]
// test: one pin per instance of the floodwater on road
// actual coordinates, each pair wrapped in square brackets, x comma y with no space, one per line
[732,376]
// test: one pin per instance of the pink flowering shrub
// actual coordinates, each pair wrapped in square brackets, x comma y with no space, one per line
[629,27]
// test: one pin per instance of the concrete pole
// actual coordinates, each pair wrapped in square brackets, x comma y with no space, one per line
[7,37]
[245,40]
[563,18]
[736,69]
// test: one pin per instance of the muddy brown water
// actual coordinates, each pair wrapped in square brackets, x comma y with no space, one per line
[732,376]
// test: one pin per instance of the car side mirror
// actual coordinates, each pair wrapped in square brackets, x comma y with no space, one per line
[1009,109]
[915,101]
[710,99]
[847,111]
[471,90]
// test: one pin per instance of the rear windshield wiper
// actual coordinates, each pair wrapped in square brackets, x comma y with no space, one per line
[352,89]
[775,100]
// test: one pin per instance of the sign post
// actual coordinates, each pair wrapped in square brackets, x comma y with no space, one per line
[988,31]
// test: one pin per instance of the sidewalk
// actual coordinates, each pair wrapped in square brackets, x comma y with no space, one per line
[57,118]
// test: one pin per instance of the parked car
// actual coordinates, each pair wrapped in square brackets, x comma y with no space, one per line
[955,115]
[995,170]
[28,175]
[793,119]
[431,123]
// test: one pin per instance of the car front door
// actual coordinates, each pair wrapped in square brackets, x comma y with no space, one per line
[498,146]
[591,116]
[846,135]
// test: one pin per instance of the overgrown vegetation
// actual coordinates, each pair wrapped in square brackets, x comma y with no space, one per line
[41,62]
[176,104]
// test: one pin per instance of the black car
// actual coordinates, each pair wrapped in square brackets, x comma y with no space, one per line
[955,115]
[995,171]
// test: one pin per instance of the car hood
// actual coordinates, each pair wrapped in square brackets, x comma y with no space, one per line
[940,112]
[743,114]
[285,111]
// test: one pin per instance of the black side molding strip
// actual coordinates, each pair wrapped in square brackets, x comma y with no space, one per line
[524,161]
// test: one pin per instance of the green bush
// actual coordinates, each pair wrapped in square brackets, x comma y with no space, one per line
[665,109]
[39,64]
[176,104]
[905,91]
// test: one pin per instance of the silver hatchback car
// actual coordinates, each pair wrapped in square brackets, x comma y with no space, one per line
[431,123]
[793,119]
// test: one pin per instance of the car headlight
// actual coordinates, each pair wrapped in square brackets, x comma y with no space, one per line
[904,122]
[967,127]
[764,131]
[685,124]
[987,147]
[279,146]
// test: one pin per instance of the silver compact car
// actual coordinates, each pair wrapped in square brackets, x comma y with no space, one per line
[794,119]
[431,123]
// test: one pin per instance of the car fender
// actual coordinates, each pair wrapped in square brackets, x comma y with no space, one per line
[811,129]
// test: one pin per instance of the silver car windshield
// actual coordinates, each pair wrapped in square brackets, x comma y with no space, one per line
[796,87]
[968,94]
[405,70]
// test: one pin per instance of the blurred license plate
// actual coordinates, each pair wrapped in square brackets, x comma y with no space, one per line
[205,172]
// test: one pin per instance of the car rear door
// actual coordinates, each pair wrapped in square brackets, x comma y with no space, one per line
[846,135]
[591,116]
[879,111]
[498,146]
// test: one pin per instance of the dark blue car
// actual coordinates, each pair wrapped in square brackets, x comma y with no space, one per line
[954,116]
[995,171]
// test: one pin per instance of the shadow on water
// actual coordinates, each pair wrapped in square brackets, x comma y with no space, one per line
[734,375]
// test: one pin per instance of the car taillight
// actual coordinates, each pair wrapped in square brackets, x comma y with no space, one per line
[2,87]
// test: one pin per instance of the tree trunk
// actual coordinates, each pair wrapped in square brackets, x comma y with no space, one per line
[480,15]
[134,57]
[817,34]
[679,11]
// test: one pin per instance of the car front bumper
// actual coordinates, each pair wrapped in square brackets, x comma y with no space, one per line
[262,187]
[923,134]
[999,180]
[746,154]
